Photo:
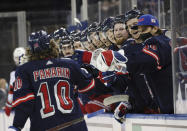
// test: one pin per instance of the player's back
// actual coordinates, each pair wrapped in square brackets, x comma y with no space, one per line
[52,82]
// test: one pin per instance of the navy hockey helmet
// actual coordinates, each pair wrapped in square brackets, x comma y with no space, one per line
[133,14]
[83,36]
[119,19]
[34,37]
[76,36]
[108,23]
[39,42]
[92,27]
[60,33]
[66,40]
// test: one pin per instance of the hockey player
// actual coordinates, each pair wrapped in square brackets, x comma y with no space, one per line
[19,59]
[43,90]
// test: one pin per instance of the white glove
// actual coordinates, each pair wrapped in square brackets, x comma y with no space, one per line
[95,55]
[110,61]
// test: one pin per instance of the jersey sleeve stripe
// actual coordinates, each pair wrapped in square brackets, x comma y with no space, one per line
[154,56]
[89,87]
[20,100]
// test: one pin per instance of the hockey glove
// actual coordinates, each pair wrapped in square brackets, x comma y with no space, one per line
[82,56]
[91,69]
[111,61]
[122,109]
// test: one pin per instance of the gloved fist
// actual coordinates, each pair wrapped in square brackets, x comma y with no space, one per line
[91,69]
[82,56]
[122,109]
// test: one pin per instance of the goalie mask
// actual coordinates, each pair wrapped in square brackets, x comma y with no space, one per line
[19,56]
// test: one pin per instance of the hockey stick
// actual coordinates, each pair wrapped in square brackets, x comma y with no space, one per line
[90,115]
[67,124]
[116,98]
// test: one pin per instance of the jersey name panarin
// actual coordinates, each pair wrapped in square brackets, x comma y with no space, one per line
[51,72]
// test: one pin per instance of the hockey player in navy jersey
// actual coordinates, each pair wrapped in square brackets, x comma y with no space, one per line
[43,90]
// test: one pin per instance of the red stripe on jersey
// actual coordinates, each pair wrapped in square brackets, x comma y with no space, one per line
[89,87]
[20,100]
[155,56]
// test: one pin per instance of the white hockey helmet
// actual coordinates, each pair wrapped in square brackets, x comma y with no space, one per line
[19,56]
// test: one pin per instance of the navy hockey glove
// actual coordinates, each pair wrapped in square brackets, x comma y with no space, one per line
[122,109]
[82,56]
[91,69]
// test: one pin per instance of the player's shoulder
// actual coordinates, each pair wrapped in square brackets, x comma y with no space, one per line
[24,67]
[67,62]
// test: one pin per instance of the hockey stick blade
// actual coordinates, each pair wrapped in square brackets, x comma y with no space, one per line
[116,98]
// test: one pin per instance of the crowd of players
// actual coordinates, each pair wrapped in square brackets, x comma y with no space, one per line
[63,75]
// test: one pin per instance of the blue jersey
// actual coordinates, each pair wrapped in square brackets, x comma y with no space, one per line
[154,60]
[43,92]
